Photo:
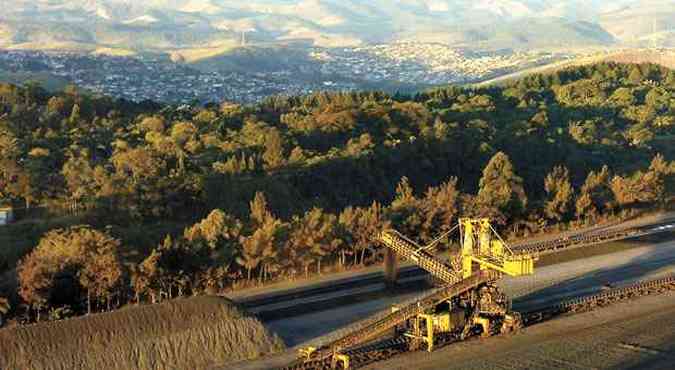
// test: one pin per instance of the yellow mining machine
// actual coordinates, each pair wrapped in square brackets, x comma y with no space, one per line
[466,302]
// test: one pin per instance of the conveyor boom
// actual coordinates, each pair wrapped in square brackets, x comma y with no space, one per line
[410,250]
[395,318]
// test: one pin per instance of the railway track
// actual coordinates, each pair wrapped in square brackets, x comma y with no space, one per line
[610,296]
[566,241]
[388,348]
[589,238]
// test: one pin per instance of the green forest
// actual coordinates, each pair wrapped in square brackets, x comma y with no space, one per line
[121,202]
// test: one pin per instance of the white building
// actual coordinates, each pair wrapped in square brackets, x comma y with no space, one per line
[6,215]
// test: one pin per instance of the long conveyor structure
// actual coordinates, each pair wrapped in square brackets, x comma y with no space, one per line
[466,299]
[400,316]
[408,249]
[576,240]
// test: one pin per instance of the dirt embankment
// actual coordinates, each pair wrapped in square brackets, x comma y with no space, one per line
[191,333]
[661,57]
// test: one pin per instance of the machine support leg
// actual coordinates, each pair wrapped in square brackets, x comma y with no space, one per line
[337,358]
[430,334]
[390,268]
[415,343]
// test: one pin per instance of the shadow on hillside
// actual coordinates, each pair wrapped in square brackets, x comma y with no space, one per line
[358,180]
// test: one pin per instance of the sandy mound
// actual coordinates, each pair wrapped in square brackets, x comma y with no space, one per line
[191,333]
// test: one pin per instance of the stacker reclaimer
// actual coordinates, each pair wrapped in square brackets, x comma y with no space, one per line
[466,301]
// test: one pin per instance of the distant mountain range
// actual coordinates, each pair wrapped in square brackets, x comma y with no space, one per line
[207,27]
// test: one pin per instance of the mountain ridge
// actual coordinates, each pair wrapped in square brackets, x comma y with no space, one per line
[173,24]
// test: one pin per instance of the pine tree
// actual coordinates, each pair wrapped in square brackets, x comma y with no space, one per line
[635,77]
[183,138]
[274,150]
[259,250]
[101,273]
[4,309]
[658,180]
[406,214]
[145,277]
[501,191]
[313,237]
[4,306]
[80,256]
[259,210]
[81,183]
[595,196]
[439,209]
[260,246]
[218,231]
[646,187]
[75,115]
[15,179]
[559,190]
[152,124]
[362,225]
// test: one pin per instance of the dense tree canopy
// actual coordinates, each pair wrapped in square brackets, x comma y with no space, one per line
[71,264]
[198,198]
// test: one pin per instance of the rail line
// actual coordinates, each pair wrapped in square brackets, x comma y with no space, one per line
[578,240]
[388,348]
[587,303]
[607,234]
[566,241]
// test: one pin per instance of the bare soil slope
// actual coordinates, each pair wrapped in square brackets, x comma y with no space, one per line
[191,333]
[665,58]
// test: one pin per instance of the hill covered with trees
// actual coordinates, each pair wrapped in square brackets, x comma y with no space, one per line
[186,200]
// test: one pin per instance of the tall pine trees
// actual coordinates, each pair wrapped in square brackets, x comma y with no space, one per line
[501,194]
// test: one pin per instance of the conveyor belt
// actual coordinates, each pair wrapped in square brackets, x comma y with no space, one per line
[574,241]
[395,318]
[410,250]
[392,347]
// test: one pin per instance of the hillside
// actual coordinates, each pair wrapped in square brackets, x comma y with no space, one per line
[258,59]
[191,199]
[46,80]
[645,23]
[191,333]
[664,58]
[186,24]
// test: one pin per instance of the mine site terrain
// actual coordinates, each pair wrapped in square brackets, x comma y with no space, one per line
[613,275]
[527,223]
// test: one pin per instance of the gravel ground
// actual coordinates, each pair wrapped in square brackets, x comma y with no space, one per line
[569,278]
[639,334]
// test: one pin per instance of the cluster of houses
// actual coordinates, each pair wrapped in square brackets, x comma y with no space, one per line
[427,63]
[155,78]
